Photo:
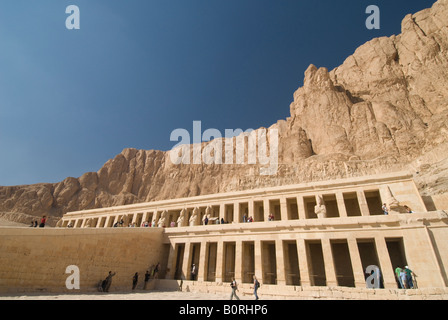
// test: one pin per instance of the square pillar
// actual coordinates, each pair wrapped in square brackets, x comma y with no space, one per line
[222,212]
[363,203]
[171,265]
[283,209]
[236,212]
[202,268]
[239,261]
[281,276]
[186,264]
[251,209]
[341,204]
[387,270]
[219,261]
[358,270]
[330,270]
[106,223]
[301,208]
[258,261]
[266,209]
[305,280]
[145,217]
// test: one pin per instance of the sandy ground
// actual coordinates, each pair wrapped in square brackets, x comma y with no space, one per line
[137,295]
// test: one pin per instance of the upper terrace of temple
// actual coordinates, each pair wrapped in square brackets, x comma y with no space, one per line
[350,197]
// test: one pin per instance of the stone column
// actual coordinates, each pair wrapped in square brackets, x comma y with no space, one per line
[222,212]
[186,264]
[219,261]
[171,265]
[250,210]
[305,280]
[330,270]
[202,268]
[236,212]
[280,260]
[301,208]
[341,204]
[362,203]
[387,270]
[114,220]
[239,261]
[266,209]
[106,224]
[134,218]
[258,261]
[283,209]
[145,217]
[355,257]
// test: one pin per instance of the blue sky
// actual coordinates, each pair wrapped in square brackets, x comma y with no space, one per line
[136,70]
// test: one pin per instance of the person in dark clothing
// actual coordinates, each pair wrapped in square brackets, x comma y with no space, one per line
[108,281]
[147,276]
[134,280]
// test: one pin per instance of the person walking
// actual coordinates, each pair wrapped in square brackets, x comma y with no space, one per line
[134,280]
[397,274]
[256,286]
[108,281]
[403,279]
[147,276]
[156,270]
[409,273]
[234,287]
[193,272]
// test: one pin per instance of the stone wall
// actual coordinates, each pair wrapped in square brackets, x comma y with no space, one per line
[35,259]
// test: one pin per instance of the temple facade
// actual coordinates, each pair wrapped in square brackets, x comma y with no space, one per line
[324,233]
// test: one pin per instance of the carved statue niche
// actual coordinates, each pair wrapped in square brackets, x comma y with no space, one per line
[320,209]
[207,214]
[88,223]
[162,220]
[155,217]
[194,217]
[181,219]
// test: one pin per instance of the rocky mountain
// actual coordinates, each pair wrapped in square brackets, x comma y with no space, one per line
[384,109]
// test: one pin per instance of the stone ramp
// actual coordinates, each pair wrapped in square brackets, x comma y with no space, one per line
[279,292]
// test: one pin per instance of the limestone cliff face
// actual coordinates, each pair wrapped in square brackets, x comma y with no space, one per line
[384,109]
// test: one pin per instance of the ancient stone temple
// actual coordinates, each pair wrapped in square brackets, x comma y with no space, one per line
[315,234]
[360,184]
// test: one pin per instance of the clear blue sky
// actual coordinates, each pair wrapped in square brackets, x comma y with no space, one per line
[138,69]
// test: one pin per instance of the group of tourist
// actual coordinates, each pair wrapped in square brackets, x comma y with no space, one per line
[152,273]
[145,224]
[234,287]
[42,223]
[247,219]
[404,277]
